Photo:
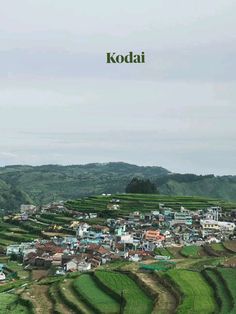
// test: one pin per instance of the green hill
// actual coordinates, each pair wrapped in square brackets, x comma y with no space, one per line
[42,184]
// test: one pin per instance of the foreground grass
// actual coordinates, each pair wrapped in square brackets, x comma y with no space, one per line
[9,303]
[71,299]
[229,277]
[221,291]
[197,295]
[136,301]
[94,296]
[218,247]
[192,251]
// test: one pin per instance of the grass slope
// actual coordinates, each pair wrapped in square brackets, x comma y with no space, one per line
[192,251]
[229,276]
[144,202]
[102,302]
[134,297]
[9,303]
[221,292]
[197,295]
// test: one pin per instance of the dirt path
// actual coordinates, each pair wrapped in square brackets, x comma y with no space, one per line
[38,295]
[166,302]
[59,305]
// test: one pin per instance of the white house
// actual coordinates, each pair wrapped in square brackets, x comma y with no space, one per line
[82,230]
[214,226]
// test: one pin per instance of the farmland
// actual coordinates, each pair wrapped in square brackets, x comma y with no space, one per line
[228,275]
[11,304]
[133,296]
[230,245]
[191,251]
[120,285]
[222,294]
[99,300]
[142,202]
[197,295]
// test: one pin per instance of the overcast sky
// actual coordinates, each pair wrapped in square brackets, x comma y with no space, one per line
[61,103]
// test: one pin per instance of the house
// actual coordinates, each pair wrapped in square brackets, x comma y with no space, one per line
[95,262]
[30,209]
[13,249]
[84,266]
[82,230]
[93,215]
[2,276]
[210,227]
[113,206]
[57,259]
[181,218]
[44,261]
[154,235]
[135,258]
[77,264]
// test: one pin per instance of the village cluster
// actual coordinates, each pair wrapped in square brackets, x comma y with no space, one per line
[134,237]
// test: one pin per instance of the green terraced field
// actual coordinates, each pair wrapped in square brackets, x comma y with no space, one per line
[10,304]
[221,291]
[218,247]
[192,251]
[229,277]
[136,301]
[163,251]
[230,245]
[144,202]
[99,300]
[197,295]
[70,298]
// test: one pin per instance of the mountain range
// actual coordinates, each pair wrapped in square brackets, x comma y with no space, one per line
[42,184]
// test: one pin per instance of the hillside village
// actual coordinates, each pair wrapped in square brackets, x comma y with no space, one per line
[134,236]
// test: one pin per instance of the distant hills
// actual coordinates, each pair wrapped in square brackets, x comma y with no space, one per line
[42,184]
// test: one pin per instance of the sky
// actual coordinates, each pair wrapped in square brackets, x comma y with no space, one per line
[60,103]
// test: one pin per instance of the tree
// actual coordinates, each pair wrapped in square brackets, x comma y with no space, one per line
[142,186]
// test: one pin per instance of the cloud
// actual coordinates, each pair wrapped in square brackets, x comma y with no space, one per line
[60,102]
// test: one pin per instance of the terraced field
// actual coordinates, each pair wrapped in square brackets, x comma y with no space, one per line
[230,245]
[59,307]
[222,293]
[192,251]
[99,300]
[9,303]
[218,247]
[163,251]
[122,284]
[142,202]
[165,302]
[229,277]
[197,295]
[71,299]
[39,296]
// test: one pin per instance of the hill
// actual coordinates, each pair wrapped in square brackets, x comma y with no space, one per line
[42,184]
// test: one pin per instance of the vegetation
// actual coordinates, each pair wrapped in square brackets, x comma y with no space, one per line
[192,251]
[228,276]
[71,299]
[124,287]
[197,295]
[230,246]
[42,184]
[141,202]
[99,300]
[11,304]
[163,251]
[218,247]
[142,186]
[222,294]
